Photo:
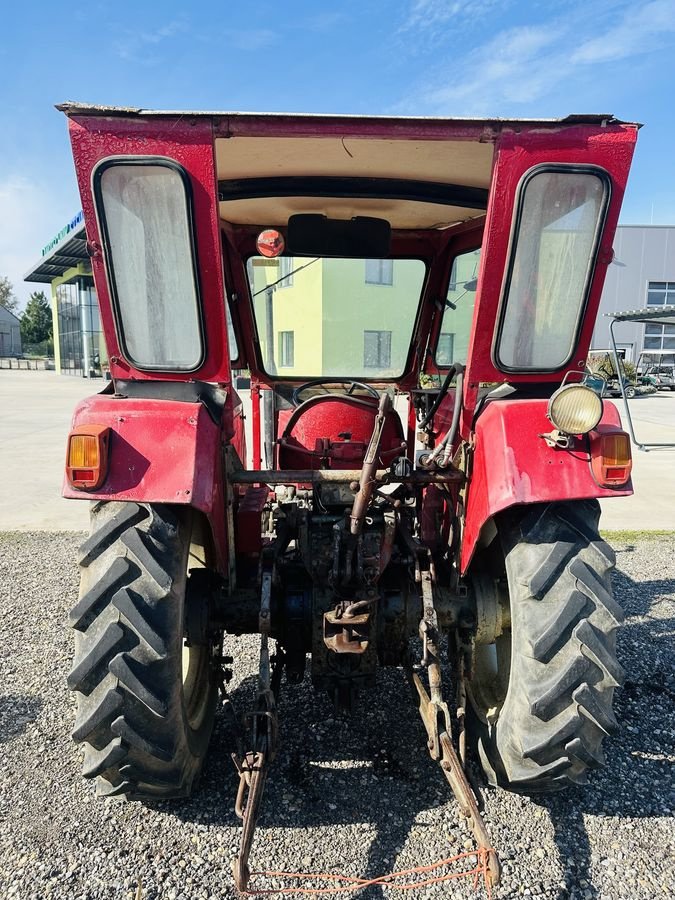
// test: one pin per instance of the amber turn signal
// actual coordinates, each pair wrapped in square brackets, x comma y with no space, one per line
[87,456]
[611,458]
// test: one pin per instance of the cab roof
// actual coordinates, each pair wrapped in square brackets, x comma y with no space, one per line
[417,172]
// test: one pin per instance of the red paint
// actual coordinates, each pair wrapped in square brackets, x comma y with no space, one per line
[513,466]
[248,537]
[239,435]
[188,141]
[256,425]
[160,451]
[517,152]
[332,432]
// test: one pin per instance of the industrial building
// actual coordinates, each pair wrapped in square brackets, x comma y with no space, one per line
[641,276]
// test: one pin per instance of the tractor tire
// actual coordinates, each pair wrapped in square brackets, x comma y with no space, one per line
[541,696]
[145,701]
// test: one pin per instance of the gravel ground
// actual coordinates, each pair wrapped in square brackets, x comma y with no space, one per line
[360,798]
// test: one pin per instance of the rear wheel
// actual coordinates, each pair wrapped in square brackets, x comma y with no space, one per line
[145,700]
[541,694]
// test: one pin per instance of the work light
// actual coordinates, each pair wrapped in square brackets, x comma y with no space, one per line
[575,409]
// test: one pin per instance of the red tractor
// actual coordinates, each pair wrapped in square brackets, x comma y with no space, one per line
[413,300]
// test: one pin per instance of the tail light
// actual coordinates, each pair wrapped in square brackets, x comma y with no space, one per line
[611,458]
[87,456]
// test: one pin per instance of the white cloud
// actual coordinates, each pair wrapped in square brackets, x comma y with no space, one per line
[642,29]
[513,67]
[250,39]
[429,14]
[324,21]
[521,65]
[136,46]
[29,217]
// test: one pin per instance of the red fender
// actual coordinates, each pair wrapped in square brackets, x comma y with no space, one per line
[512,465]
[161,451]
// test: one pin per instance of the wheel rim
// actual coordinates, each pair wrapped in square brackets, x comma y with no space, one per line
[490,681]
[196,658]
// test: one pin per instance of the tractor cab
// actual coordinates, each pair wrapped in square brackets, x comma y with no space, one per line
[416,456]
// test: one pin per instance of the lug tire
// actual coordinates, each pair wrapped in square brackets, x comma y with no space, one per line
[145,735]
[563,669]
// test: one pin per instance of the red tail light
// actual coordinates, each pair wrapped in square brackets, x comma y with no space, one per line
[87,456]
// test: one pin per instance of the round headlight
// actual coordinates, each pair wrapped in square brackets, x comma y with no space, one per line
[575,409]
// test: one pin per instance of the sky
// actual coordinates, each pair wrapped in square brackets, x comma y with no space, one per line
[517,58]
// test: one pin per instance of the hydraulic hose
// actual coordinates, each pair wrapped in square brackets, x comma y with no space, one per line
[452,371]
[443,450]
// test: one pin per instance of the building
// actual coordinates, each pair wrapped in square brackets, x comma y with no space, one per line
[10,334]
[642,275]
[79,346]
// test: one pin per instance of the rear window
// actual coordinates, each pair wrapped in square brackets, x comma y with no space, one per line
[144,206]
[321,317]
[559,218]
[453,339]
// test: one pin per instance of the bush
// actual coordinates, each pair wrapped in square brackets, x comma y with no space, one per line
[43,348]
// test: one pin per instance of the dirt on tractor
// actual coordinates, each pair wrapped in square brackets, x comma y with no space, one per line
[411,302]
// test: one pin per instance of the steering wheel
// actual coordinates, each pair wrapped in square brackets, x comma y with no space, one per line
[349,384]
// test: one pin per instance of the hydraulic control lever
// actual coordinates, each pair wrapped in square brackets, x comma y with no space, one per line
[367,483]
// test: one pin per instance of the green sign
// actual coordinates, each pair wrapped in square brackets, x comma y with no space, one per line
[65,231]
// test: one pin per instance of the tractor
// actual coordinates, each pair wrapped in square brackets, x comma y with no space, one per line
[411,476]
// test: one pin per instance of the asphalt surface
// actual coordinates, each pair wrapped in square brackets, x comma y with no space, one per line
[359,797]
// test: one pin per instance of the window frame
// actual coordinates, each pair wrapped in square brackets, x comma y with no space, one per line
[96,177]
[381,260]
[282,336]
[521,191]
[379,332]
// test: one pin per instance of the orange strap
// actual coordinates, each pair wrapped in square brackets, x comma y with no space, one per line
[358,884]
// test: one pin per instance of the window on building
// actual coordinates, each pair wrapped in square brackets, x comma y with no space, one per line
[286,349]
[659,337]
[286,272]
[377,349]
[661,293]
[379,271]
[445,349]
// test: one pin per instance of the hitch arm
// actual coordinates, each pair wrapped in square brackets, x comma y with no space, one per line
[253,767]
[436,719]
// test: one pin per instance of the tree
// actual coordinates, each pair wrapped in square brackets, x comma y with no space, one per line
[36,322]
[7,298]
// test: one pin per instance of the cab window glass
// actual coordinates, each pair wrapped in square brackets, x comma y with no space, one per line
[146,218]
[453,340]
[558,221]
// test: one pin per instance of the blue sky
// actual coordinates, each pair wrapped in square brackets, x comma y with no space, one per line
[419,57]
